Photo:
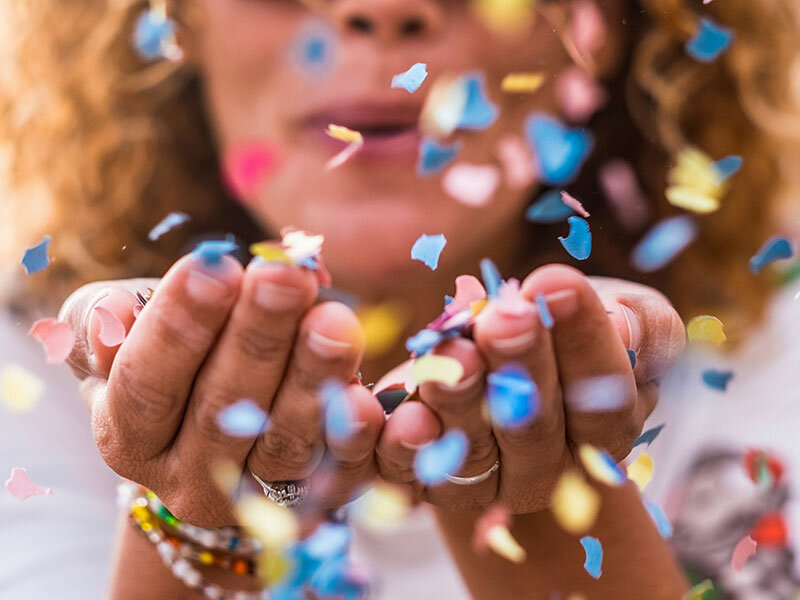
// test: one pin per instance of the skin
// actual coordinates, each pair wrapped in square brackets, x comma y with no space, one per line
[213,335]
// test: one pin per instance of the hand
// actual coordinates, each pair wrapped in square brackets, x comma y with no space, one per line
[589,340]
[212,335]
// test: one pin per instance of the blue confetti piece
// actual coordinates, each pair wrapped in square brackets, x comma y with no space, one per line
[411,79]
[663,243]
[579,241]
[447,300]
[775,248]
[171,221]
[212,251]
[423,342]
[433,157]
[709,41]
[559,151]
[479,112]
[548,208]
[649,436]
[334,579]
[632,357]
[151,33]
[491,278]
[329,540]
[594,556]
[428,248]
[727,167]
[717,380]
[544,312]
[442,457]
[659,518]
[339,416]
[243,418]
[35,258]
[512,396]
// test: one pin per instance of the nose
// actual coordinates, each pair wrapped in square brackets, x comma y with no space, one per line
[388,21]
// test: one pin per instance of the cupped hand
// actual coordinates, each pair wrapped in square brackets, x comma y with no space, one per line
[596,322]
[210,336]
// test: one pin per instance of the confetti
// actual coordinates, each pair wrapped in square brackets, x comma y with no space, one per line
[574,204]
[56,337]
[698,591]
[717,380]
[443,107]
[559,151]
[575,503]
[339,416]
[427,249]
[705,328]
[437,369]
[442,457]
[112,330]
[243,418]
[274,526]
[709,41]
[168,223]
[382,325]
[578,95]
[579,241]
[468,290]
[512,397]
[775,248]
[640,471]
[411,80]
[620,187]
[691,199]
[20,389]
[548,208]
[423,342]
[491,278]
[601,466]
[22,488]
[649,436]
[479,112]
[728,167]
[544,312]
[492,531]
[505,16]
[354,139]
[659,518]
[594,556]
[663,242]
[632,357]
[522,83]
[695,183]
[154,36]
[510,299]
[471,185]
[587,27]
[381,507]
[744,550]
[598,394]
[35,258]
[517,162]
[434,157]
[247,166]
[212,251]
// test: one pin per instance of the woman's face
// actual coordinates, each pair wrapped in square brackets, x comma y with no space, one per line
[372,208]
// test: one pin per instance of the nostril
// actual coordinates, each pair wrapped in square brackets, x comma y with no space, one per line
[360,23]
[412,26]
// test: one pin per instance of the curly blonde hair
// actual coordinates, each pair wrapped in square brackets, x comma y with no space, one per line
[96,145]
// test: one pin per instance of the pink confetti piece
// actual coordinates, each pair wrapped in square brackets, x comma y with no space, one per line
[472,185]
[350,150]
[744,550]
[22,488]
[468,289]
[619,184]
[57,339]
[587,27]
[510,300]
[578,95]
[112,330]
[574,204]
[247,166]
[517,162]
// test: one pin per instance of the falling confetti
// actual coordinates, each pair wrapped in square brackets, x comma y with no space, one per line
[659,518]
[602,393]
[512,396]
[479,112]
[600,465]
[22,488]
[434,157]
[492,531]
[548,208]
[578,95]
[168,223]
[620,187]
[728,167]
[437,369]
[354,139]
[427,249]
[559,151]
[640,471]
[381,507]
[698,591]
[717,380]
[579,241]
[649,436]
[744,550]
[574,204]
[112,330]
[709,41]
[442,457]
[471,185]
[705,328]
[382,325]
[154,35]
[517,162]
[443,107]
[411,80]
[35,258]
[505,16]
[56,337]
[522,83]
[775,248]
[423,342]
[663,242]
[274,526]
[339,416]
[491,278]
[544,312]
[575,503]
[20,389]
[594,556]
[212,251]
[247,166]
[243,418]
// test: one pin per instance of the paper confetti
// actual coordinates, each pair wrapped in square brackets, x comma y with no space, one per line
[35,258]
[744,550]
[112,330]
[594,556]
[709,41]
[575,503]
[339,415]
[471,185]
[22,488]
[468,290]
[574,204]
[382,325]
[640,471]
[510,299]
[423,341]
[598,394]
[728,167]
[168,223]
[479,112]
[649,436]
[659,518]
[512,397]
[601,466]
[492,531]
[632,357]
[620,187]
[411,80]
[705,328]
[698,591]
[274,526]
[154,36]
[522,83]
[491,278]
[212,251]
[437,369]
[717,380]
[587,27]
[434,157]
[442,457]
[20,389]
[578,95]
[354,139]
[243,418]
[695,183]
[428,248]
[579,241]
[559,151]
[663,243]
[775,248]
[517,162]
[505,16]
[56,337]
[548,208]
[381,507]
[443,107]
[247,166]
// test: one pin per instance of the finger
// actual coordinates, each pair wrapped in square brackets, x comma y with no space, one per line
[154,370]
[411,426]
[248,360]
[593,366]
[461,407]
[329,345]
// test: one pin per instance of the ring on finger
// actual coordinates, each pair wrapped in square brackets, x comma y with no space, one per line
[476,478]
[284,493]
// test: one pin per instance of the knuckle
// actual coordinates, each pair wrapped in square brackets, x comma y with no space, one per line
[482,450]
[143,397]
[285,449]
[210,402]
[307,375]
[177,330]
[260,345]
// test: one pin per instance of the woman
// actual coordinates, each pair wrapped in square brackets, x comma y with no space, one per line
[144,140]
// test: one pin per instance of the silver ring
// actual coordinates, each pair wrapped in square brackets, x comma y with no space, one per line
[476,479]
[284,493]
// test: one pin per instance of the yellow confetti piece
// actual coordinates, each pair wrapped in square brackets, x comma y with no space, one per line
[476,306]
[270,253]
[440,369]
[640,471]
[520,83]
[575,503]
[273,567]
[20,389]
[382,325]
[443,107]
[694,182]
[344,134]
[600,465]
[500,540]
[706,328]
[691,199]
[382,507]
[505,16]
[697,592]
[275,526]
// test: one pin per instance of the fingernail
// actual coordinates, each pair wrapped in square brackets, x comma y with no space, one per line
[516,344]
[204,288]
[89,318]
[273,296]
[562,304]
[634,328]
[464,384]
[325,347]
[413,447]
